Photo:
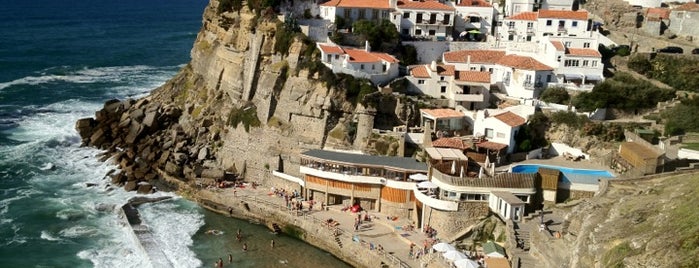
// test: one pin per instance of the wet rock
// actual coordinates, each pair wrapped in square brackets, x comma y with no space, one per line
[144,188]
[130,186]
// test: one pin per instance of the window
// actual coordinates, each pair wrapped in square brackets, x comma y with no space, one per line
[433,18]
[432,32]
[447,19]
[489,133]
[561,23]
[361,66]
[347,13]
[571,63]
[548,78]
[362,13]
[405,31]
[680,14]
[575,24]
[510,37]
[406,15]
[549,22]
[373,67]
[500,135]
[384,67]
[529,38]
[329,58]
[559,59]
[420,82]
[473,68]
[418,19]
[482,68]
[586,45]
[337,56]
[443,89]
[585,63]
[566,44]
[511,24]
[476,19]
[490,70]
[530,24]
[594,63]
[441,78]
[418,32]
[375,14]
[528,78]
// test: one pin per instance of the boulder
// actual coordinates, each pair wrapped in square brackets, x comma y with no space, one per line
[135,131]
[130,186]
[173,169]
[149,119]
[85,126]
[112,106]
[136,115]
[118,179]
[212,173]
[203,153]
[144,188]
[97,138]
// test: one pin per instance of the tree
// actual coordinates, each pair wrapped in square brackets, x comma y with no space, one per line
[639,63]
[555,95]
[622,91]
[382,36]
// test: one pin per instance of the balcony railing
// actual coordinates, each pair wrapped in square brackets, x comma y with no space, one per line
[562,30]
[530,85]
[469,97]
[434,202]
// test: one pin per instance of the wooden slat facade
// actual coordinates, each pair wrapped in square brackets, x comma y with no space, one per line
[549,178]
[360,187]
[395,195]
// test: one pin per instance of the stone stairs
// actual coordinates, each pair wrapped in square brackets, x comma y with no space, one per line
[526,261]
[338,241]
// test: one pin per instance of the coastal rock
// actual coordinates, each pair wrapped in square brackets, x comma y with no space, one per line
[144,188]
[130,186]
[203,153]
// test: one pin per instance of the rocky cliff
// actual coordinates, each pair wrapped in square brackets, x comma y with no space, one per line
[238,107]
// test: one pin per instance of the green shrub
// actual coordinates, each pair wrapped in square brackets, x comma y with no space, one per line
[245,115]
[622,91]
[570,119]
[555,95]
[639,63]
[382,36]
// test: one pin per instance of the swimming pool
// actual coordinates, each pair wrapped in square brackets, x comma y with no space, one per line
[588,176]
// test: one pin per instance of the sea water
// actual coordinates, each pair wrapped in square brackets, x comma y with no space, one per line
[59,61]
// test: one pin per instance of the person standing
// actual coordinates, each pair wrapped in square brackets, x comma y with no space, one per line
[272,243]
[245,247]
[220,263]
[230,258]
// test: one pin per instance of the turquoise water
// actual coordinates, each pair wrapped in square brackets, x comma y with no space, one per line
[588,176]
[59,61]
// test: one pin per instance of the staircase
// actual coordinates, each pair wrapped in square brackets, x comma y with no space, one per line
[276,229]
[337,240]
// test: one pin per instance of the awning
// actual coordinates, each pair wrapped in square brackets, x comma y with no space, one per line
[418,177]
[572,76]
[594,77]
[427,184]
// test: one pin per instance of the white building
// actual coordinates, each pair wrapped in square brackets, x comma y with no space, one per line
[575,67]
[426,19]
[498,126]
[468,89]
[474,15]
[513,7]
[522,76]
[378,67]
[532,26]
[354,10]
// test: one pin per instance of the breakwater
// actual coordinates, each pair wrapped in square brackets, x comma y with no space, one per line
[129,215]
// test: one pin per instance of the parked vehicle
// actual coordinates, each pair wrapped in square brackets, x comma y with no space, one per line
[695,51]
[673,50]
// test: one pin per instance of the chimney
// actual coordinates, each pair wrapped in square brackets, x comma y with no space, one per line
[433,66]
[367,47]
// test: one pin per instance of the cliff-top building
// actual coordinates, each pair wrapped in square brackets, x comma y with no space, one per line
[361,63]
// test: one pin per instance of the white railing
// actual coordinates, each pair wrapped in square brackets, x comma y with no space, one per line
[346,177]
[288,177]
[469,97]
[434,202]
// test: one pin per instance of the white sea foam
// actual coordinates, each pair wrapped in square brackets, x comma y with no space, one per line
[46,235]
[173,224]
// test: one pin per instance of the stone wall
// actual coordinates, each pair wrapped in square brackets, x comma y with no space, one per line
[401,210]
[452,223]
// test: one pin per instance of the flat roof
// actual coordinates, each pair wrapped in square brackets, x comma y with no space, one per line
[508,198]
[405,163]
[445,154]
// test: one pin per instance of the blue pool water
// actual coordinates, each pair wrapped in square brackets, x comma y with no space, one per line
[588,176]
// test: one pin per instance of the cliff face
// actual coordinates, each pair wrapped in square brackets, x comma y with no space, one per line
[238,107]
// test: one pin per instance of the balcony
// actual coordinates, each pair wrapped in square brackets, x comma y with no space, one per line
[530,30]
[469,97]
[532,86]
[434,202]
[562,30]
[342,176]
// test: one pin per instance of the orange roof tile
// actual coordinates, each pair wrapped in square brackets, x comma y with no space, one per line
[523,62]
[361,55]
[583,52]
[331,49]
[456,143]
[477,56]
[445,70]
[420,71]
[442,113]
[473,76]
[657,12]
[563,14]
[474,3]
[376,4]
[524,16]
[427,5]
[558,45]
[511,119]
[688,7]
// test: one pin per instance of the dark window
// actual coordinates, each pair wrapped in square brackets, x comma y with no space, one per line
[432,32]
[443,89]
[406,15]
[433,18]
[548,22]
[418,19]
[418,32]
[446,19]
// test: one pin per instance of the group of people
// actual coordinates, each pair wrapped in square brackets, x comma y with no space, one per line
[430,232]
[239,238]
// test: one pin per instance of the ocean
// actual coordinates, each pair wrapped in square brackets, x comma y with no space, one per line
[59,61]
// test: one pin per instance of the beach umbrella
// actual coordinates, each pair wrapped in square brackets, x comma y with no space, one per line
[466,263]
[461,174]
[443,247]
[454,255]
[462,34]
[453,167]
[427,184]
[418,177]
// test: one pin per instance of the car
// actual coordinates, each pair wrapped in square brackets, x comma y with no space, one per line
[673,50]
[695,51]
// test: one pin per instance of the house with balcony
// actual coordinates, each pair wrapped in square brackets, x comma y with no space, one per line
[473,60]
[465,88]
[576,61]
[499,127]
[378,67]
[532,26]
[354,10]
[522,76]
[425,19]
[444,122]
[518,6]
[377,183]
[474,18]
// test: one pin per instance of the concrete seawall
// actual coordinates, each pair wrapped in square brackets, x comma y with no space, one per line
[143,236]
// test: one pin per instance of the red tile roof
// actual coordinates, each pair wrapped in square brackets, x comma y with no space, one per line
[524,16]
[331,49]
[563,14]
[474,3]
[375,4]
[456,143]
[583,52]
[473,76]
[658,12]
[491,145]
[445,70]
[558,45]
[477,56]
[420,71]
[361,55]
[688,7]
[511,119]
[442,113]
[427,5]
[523,62]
